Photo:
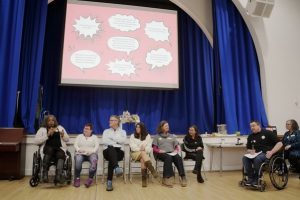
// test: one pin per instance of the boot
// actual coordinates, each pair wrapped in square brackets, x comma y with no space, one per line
[46,161]
[45,176]
[59,170]
[149,166]
[167,182]
[183,181]
[199,177]
[144,177]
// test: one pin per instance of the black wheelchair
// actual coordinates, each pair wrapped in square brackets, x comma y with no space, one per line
[37,167]
[278,173]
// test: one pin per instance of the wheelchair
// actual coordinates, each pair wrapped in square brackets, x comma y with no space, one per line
[278,173]
[37,168]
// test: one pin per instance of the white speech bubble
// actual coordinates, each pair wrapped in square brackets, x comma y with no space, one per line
[85,59]
[159,58]
[121,67]
[125,44]
[157,31]
[86,26]
[124,22]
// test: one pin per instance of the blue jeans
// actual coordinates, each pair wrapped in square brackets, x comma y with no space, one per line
[252,165]
[79,159]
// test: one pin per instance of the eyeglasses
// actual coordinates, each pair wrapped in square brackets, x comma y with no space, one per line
[113,120]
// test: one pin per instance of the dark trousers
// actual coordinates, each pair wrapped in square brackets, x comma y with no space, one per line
[52,154]
[295,162]
[112,155]
[252,165]
[168,160]
[196,156]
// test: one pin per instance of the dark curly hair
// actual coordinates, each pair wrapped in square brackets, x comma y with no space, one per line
[45,122]
[144,132]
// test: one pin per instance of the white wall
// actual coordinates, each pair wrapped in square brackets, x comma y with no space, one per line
[278,45]
[278,48]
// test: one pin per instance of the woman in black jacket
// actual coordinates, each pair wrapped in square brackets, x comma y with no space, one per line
[193,147]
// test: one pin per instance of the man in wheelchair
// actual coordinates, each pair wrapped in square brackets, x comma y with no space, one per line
[53,137]
[291,144]
[258,143]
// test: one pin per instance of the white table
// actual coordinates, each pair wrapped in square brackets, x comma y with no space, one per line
[221,146]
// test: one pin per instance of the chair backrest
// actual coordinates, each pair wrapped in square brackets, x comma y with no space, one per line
[274,131]
[272,128]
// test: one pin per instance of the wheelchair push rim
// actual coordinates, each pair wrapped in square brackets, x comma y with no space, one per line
[278,172]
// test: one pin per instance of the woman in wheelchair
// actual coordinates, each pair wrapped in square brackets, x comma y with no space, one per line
[291,144]
[258,143]
[140,147]
[193,147]
[53,137]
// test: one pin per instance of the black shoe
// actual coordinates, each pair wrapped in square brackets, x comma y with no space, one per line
[254,183]
[62,180]
[195,171]
[45,177]
[58,179]
[249,182]
[200,179]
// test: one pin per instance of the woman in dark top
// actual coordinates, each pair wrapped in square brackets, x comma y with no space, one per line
[193,147]
[291,144]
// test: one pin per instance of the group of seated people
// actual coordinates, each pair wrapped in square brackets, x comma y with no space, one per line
[164,145]
[265,143]
[165,148]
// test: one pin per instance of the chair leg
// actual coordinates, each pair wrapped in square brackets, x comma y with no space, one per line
[203,172]
[129,171]
[124,170]
[103,172]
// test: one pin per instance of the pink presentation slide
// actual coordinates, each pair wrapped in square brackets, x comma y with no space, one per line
[120,46]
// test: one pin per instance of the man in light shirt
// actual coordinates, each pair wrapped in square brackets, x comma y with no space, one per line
[113,148]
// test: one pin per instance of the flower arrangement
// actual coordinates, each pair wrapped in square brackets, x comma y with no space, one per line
[126,117]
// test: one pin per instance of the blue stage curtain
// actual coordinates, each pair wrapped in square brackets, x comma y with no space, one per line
[11,24]
[239,69]
[75,106]
[31,60]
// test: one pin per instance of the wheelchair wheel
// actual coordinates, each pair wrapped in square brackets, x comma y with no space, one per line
[278,172]
[33,182]
[242,183]
[69,170]
[36,163]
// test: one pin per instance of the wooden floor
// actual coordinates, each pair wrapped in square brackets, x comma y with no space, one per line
[216,187]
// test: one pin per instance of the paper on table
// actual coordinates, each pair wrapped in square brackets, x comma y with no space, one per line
[251,156]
